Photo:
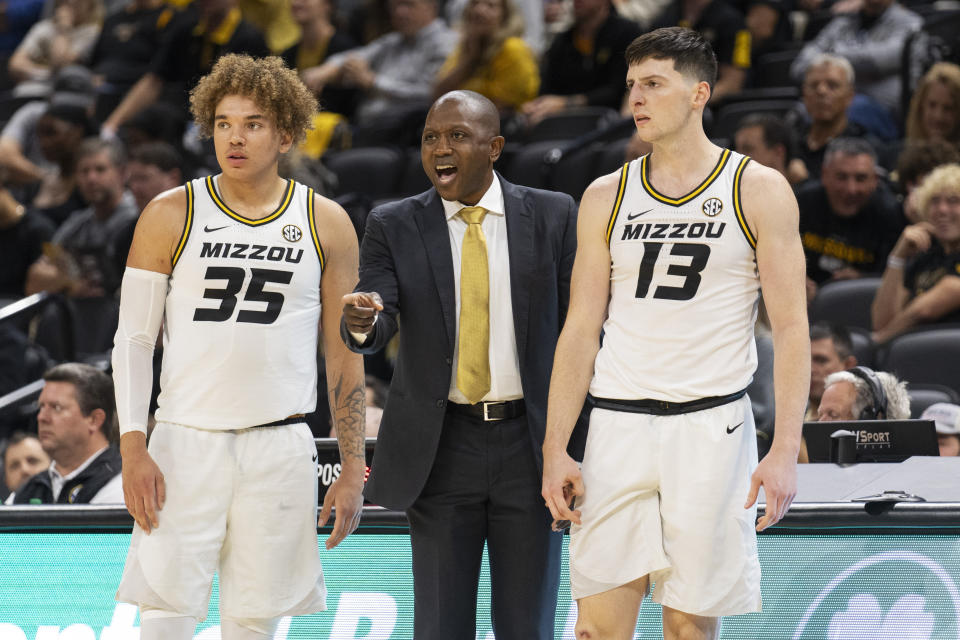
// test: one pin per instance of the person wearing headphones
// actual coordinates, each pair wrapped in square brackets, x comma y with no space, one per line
[861,393]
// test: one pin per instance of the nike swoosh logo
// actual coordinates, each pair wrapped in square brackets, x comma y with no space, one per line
[209,229]
[634,216]
[315,457]
[731,430]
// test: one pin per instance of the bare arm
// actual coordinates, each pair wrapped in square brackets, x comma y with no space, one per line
[141,95]
[892,296]
[344,370]
[931,305]
[19,169]
[730,81]
[771,211]
[578,345]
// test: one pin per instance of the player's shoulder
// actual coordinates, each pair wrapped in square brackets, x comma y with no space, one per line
[602,193]
[330,218]
[167,212]
[758,176]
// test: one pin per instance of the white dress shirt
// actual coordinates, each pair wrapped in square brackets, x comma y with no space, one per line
[110,493]
[504,361]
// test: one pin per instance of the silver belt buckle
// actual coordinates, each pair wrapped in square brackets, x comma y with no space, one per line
[486,412]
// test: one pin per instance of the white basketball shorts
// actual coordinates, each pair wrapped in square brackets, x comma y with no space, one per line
[664,497]
[241,503]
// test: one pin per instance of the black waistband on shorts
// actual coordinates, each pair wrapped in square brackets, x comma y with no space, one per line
[294,419]
[663,407]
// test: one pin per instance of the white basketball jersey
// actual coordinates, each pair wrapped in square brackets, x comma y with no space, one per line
[684,289]
[242,313]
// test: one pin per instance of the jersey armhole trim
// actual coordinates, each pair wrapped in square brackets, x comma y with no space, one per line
[187,225]
[616,204]
[738,207]
[313,229]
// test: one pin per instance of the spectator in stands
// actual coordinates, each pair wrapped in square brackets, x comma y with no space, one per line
[872,40]
[153,168]
[23,457]
[849,220]
[934,112]
[491,57]
[846,395]
[531,16]
[769,24]
[320,38]
[38,165]
[65,38]
[921,283]
[946,417]
[585,64]
[765,138]
[16,18]
[722,25]
[915,163]
[394,73]
[23,233]
[195,39]
[831,350]
[87,254]
[126,45]
[827,94]
[76,426]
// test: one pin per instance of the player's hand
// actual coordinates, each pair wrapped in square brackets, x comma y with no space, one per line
[346,494]
[777,473]
[360,311]
[561,483]
[144,490]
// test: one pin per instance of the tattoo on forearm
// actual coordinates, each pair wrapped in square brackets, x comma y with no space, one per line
[349,416]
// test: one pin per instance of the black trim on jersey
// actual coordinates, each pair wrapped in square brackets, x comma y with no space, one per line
[738,207]
[218,201]
[187,225]
[313,229]
[616,203]
[644,168]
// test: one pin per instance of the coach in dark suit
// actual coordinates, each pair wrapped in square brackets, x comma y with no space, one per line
[475,274]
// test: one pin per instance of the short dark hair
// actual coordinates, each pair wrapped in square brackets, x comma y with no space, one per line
[15,438]
[93,145]
[775,131]
[849,147]
[839,334]
[919,158]
[158,154]
[692,55]
[93,388]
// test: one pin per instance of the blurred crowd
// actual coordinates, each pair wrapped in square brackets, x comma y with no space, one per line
[856,102]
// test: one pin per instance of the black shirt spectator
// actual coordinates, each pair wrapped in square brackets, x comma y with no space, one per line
[597,73]
[832,242]
[128,41]
[22,236]
[336,99]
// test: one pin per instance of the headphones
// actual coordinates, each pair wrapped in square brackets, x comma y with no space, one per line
[877,409]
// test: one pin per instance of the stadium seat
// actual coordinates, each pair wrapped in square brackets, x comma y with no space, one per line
[928,356]
[845,302]
[576,170]
[532,165]
[773,69]
[924,395]
[571,124]
[863,347]
[413,180]
[373,171]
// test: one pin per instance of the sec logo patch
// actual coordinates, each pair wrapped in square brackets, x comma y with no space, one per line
[712,207]
[292,233]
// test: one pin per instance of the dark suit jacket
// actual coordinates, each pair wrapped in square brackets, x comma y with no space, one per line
[406,258]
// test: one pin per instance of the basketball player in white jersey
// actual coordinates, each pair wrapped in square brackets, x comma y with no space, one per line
[236,267]
[672,253]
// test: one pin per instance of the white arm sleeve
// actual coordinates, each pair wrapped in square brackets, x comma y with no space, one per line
[142,297]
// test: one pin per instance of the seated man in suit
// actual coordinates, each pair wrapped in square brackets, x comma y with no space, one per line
[478,272]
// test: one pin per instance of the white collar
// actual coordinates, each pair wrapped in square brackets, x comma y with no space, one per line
[492,201]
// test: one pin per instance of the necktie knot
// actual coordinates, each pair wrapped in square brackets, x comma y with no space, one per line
[473,215]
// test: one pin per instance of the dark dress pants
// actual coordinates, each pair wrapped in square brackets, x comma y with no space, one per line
[484,486]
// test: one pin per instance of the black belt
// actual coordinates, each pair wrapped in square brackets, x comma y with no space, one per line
[663,407]
[294,419]
[491,411]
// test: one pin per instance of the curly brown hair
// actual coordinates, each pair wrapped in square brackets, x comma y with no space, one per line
[267,81]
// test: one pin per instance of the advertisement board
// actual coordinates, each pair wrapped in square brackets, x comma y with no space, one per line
[60,586]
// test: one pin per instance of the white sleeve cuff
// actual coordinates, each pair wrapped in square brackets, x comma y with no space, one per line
[360,338]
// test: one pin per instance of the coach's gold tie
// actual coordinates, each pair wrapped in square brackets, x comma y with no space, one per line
[473,356]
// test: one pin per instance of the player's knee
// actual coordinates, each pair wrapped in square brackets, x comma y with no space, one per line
[248,628]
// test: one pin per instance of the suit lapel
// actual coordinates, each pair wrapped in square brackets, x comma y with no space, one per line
[436,239]
[521,249]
